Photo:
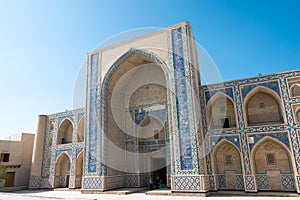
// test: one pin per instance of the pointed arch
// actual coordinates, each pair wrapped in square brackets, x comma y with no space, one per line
[65,132]
[295,90]
[263,106]
[221,111]
[79,170]
[271,161]
[62,170]
[227,165]
[80,130]
[297,115]
[133,59]
[263,141]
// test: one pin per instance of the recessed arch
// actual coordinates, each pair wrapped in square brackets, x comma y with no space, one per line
[65,132]
[80,130]
[295,90]
[79,170]
[221,111]
[112,109]
[297,115]
[227,166]
[271,161]
[263,106]
[62,170]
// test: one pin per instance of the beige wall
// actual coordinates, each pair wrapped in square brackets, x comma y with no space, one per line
[20,154]
[282,158]
[219,159]
[219,108]
[263,108]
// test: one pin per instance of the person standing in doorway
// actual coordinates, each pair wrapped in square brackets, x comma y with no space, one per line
[151,182]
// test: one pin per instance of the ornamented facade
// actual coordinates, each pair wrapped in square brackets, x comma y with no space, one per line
[147,114]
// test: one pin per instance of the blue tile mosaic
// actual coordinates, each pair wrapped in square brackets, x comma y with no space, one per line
[281,136]
[211,93]
[181,101]
[273,85]
[233,139]
[93,115]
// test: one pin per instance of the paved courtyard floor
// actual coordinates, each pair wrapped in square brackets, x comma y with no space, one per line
[49,194]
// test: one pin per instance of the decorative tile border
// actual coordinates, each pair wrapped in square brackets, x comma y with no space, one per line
[181,100]
[186,183]
[92,183]
[287,182]
[263,182]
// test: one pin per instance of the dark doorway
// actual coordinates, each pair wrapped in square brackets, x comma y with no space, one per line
[160,175]
[225,122]
[159,170]
[67,180]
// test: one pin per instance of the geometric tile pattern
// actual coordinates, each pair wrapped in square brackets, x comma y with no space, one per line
[221,181]
[287,182]
[298,181]
[131,180]
[35,182]
[212,183]
[263,182]
[92,183]
[190,183]
[250,185]
[239,182]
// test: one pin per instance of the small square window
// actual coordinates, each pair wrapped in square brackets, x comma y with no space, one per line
[262,105]
[227,159]
[4,157]
[271,159]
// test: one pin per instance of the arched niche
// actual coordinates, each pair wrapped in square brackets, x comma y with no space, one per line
[62,170]
[80,130]
[65,132]
[221,112]
[263,106]
[295,90]
[79,170]
[272,164]
[227,165]
[136,73]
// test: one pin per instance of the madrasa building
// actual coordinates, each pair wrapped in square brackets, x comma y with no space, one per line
[148,115]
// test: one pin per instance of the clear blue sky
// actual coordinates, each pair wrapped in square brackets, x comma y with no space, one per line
[43,43]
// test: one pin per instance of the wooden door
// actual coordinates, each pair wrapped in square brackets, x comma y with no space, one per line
[10,179]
